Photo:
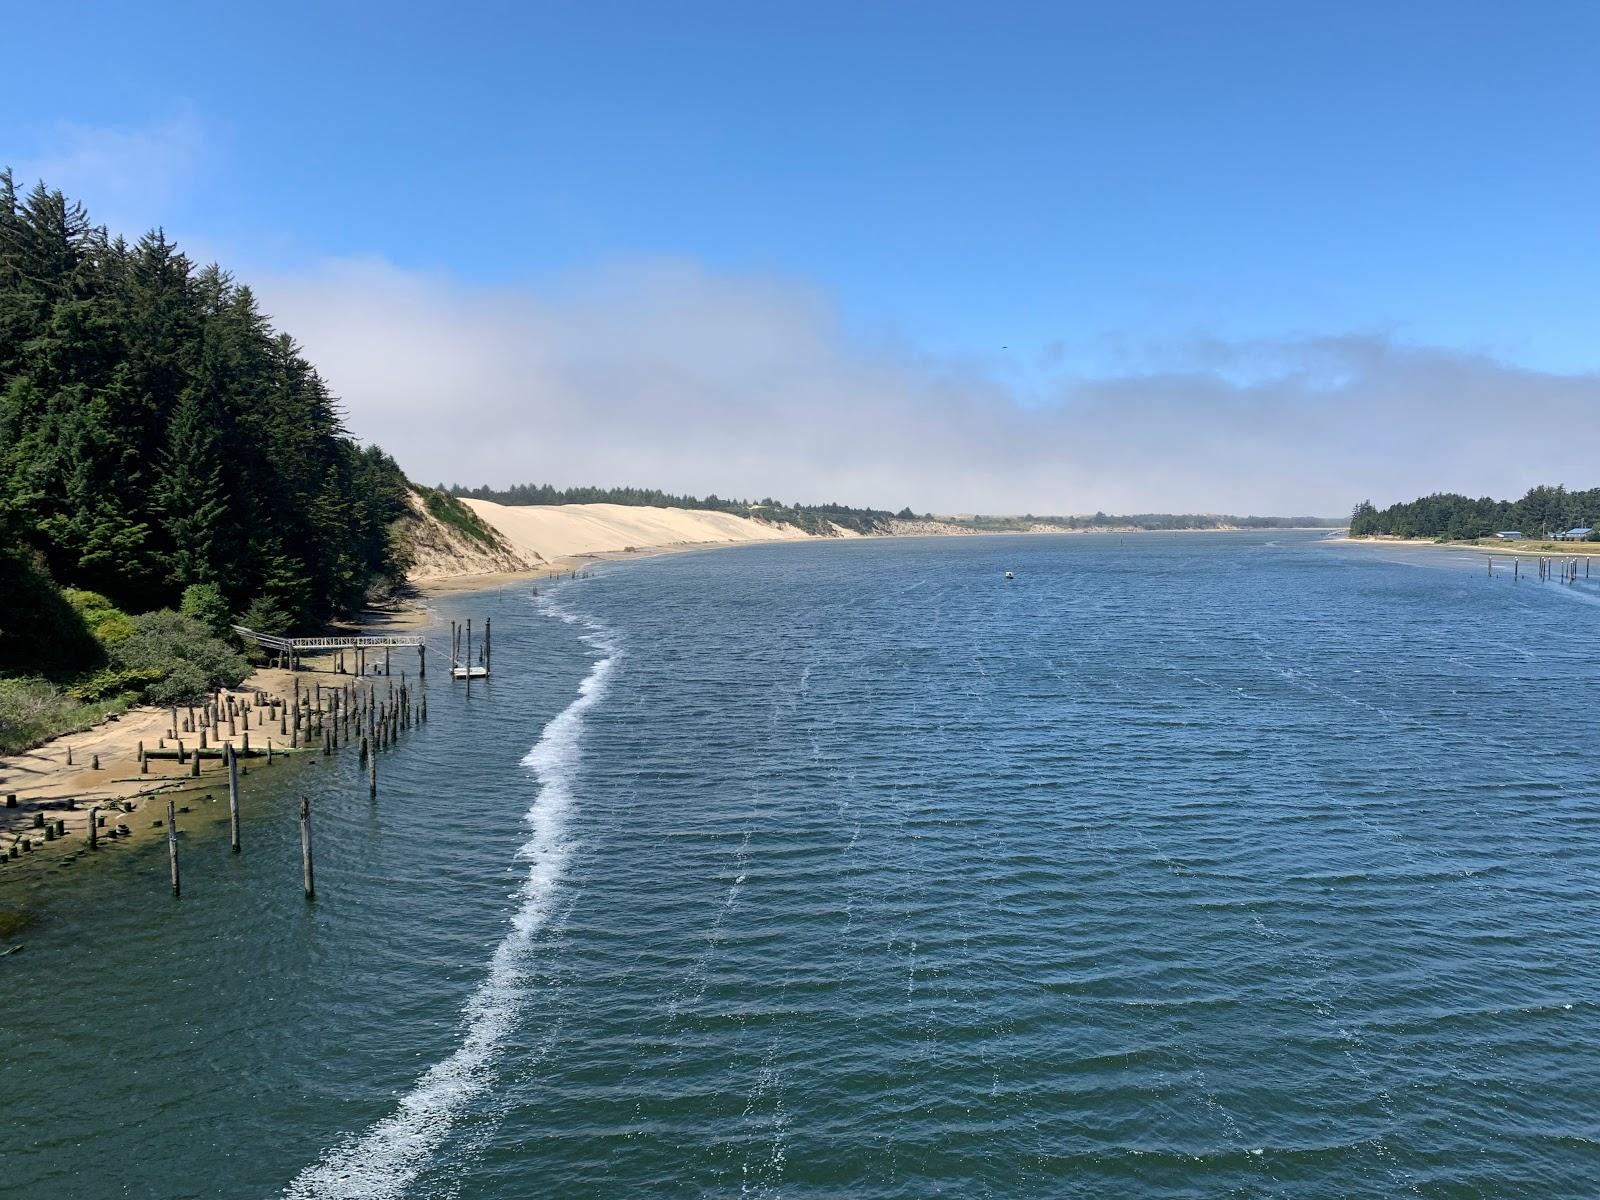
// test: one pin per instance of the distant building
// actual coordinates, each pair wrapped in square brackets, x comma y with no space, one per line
[1574,535]
[1510,535]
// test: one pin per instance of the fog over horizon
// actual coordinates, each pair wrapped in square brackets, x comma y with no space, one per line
[661,373]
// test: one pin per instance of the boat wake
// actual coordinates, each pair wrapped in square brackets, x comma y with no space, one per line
[382,1163]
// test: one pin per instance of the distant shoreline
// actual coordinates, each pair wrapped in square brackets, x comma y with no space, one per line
[1527,548]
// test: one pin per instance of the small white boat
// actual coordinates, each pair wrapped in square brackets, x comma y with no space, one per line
[1009,575]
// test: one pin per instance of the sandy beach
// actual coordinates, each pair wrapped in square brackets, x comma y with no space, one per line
[1528,548]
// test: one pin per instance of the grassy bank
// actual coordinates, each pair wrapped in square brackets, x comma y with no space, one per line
[33,711]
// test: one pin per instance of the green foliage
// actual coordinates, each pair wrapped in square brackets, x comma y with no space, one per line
[206,604]
[110,683]
[40,631]
[1451,517]
[153,424]
[450,511]
[108,623]
[265,615]
[183,655]
[34,710]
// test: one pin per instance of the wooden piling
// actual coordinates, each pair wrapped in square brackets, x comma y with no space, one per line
[94,832]
[233,798]
[172,842]
[305,848]
[372,777]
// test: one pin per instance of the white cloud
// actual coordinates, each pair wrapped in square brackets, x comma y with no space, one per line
[129,177]
[662,374]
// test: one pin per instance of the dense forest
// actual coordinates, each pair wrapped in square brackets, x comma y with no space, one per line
[169,464]
[813,518]
[157,432]
[1451,517]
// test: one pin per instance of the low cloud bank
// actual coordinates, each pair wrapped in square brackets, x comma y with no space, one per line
[663,374]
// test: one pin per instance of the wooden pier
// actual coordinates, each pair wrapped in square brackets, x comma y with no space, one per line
[289,650]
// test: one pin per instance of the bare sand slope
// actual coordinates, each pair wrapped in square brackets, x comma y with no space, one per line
[439,552]
[546,532]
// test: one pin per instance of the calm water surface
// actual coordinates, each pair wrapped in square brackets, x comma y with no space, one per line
[1201,865]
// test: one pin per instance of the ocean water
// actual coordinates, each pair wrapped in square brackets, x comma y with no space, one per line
[1178,866]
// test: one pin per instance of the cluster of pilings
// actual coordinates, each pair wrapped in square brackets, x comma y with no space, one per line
[1551,570]
[218,728]
[462,665]
[325,718]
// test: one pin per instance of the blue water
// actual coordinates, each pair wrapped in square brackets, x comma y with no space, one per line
[1199,865]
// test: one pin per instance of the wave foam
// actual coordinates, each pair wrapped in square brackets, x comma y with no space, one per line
[384,1161]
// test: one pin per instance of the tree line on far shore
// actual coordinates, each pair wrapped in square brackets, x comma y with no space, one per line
[1450,517]
[813,518]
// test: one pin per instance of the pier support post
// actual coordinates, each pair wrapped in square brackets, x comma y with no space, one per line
[172,842]
[305,848]
[233,798]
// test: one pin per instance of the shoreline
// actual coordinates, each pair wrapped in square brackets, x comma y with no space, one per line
[1531,549]
[45,783]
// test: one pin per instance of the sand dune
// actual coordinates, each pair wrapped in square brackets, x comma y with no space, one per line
[546,532]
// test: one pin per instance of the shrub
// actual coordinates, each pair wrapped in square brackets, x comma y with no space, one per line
[103,685]
[186,659]
[39,630]
[183,683]
[204,602]
[108,623]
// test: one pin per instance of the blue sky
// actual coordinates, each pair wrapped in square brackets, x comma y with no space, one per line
[1029,193]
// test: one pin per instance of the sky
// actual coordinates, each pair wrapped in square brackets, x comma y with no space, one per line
[1051,258]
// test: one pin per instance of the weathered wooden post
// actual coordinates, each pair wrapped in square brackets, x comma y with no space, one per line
[422,660]
[233,798]
[305,848]
[172,841]
[386,661]
[372,777]
[94,833]
[469,658]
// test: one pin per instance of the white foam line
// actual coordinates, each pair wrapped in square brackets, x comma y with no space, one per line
[383,1162]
